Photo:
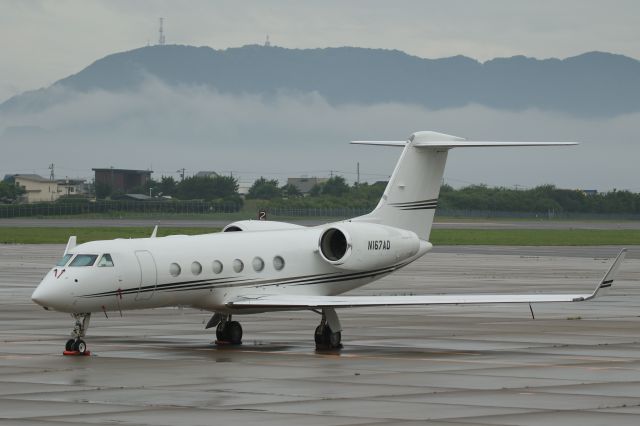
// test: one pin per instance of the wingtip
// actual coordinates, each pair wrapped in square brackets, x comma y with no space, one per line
[607,281]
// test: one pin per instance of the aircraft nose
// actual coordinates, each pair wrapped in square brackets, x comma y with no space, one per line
[38,296]
[44,295]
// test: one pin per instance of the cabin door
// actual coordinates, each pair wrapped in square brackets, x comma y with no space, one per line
[148,275]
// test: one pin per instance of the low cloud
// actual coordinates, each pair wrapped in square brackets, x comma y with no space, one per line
[291,134]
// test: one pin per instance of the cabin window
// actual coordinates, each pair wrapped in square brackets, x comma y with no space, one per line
[105,260]
[258,264]
[84,260]
[64,259]
[174,269]
[216,266]
[278,263]
[196,268]
[238,266]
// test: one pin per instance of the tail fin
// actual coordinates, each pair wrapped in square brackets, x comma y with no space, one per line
[411,196]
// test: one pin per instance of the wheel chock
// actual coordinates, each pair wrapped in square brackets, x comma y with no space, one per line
[76,353]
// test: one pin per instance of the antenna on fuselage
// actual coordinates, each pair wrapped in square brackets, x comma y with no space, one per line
[70,244]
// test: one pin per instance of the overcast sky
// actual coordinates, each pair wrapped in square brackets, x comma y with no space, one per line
[42,41]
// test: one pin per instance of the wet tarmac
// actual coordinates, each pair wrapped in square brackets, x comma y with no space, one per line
[575,364]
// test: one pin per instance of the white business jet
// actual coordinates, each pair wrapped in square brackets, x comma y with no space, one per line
[269,266]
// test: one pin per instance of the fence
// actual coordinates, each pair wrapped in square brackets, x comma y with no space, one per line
[550,215]
[107,207]
[201,207]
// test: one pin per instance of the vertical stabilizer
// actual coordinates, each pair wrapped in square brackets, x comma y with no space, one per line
[411,196]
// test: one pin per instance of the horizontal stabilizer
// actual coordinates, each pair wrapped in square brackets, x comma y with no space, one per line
[429,139]
[462,144]
[380,143]
[293,302]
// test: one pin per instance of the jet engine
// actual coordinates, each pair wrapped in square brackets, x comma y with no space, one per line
[367,246]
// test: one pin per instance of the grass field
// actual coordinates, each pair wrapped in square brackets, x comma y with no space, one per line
[54,235]
[499,237]
[535,237]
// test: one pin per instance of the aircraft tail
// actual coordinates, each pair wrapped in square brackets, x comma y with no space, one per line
[411,196]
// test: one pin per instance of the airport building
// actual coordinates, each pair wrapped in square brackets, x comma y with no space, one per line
[304,184]
[122,180]
[37,189]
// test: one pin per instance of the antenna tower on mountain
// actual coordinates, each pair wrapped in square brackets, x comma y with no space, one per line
[161,33]
[267,43]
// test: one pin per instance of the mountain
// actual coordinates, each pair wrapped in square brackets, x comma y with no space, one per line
[591,84]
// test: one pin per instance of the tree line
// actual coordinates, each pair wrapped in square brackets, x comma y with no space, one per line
[542,199]
[206,188]
[336,193]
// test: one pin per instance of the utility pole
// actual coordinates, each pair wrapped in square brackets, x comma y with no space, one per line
[358,172]
[52,175]
[181,172]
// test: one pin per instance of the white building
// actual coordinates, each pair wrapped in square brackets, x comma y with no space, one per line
[37,189]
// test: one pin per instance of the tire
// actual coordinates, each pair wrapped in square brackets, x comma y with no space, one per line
[234,332]
[221,332]
[334,339]
[80,346]
[319,335]
[69,345]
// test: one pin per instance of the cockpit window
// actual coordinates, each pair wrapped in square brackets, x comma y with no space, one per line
[64,259]
[105,260]
[84,260]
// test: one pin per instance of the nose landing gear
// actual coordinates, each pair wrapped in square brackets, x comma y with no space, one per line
[75,345]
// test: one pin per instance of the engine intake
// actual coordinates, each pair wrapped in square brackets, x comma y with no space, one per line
[333,244]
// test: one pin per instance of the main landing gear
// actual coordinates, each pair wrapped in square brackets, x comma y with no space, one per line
[228,332]
[75,345]
[328,334]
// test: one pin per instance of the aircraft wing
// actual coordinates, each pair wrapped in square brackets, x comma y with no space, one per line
[283,301]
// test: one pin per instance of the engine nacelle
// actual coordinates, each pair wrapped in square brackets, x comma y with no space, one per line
[258,225]
[367,246]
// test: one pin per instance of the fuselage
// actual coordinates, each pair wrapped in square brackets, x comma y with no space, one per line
[207,271]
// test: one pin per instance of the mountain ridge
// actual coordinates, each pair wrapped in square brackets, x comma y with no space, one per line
[589,84]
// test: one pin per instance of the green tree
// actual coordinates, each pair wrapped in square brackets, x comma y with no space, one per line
[316,190]
[9,192]
[167,186]
[335,186]
[207,188]
[290,191]
[264,189]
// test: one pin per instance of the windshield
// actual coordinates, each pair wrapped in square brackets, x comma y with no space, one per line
[84,260]
[64,259]
[105,260]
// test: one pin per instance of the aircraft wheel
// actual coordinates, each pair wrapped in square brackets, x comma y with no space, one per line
[221,332]
[334,340]
[80,346]
[319,335]
[234,332]
[327,339]
[69,345]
